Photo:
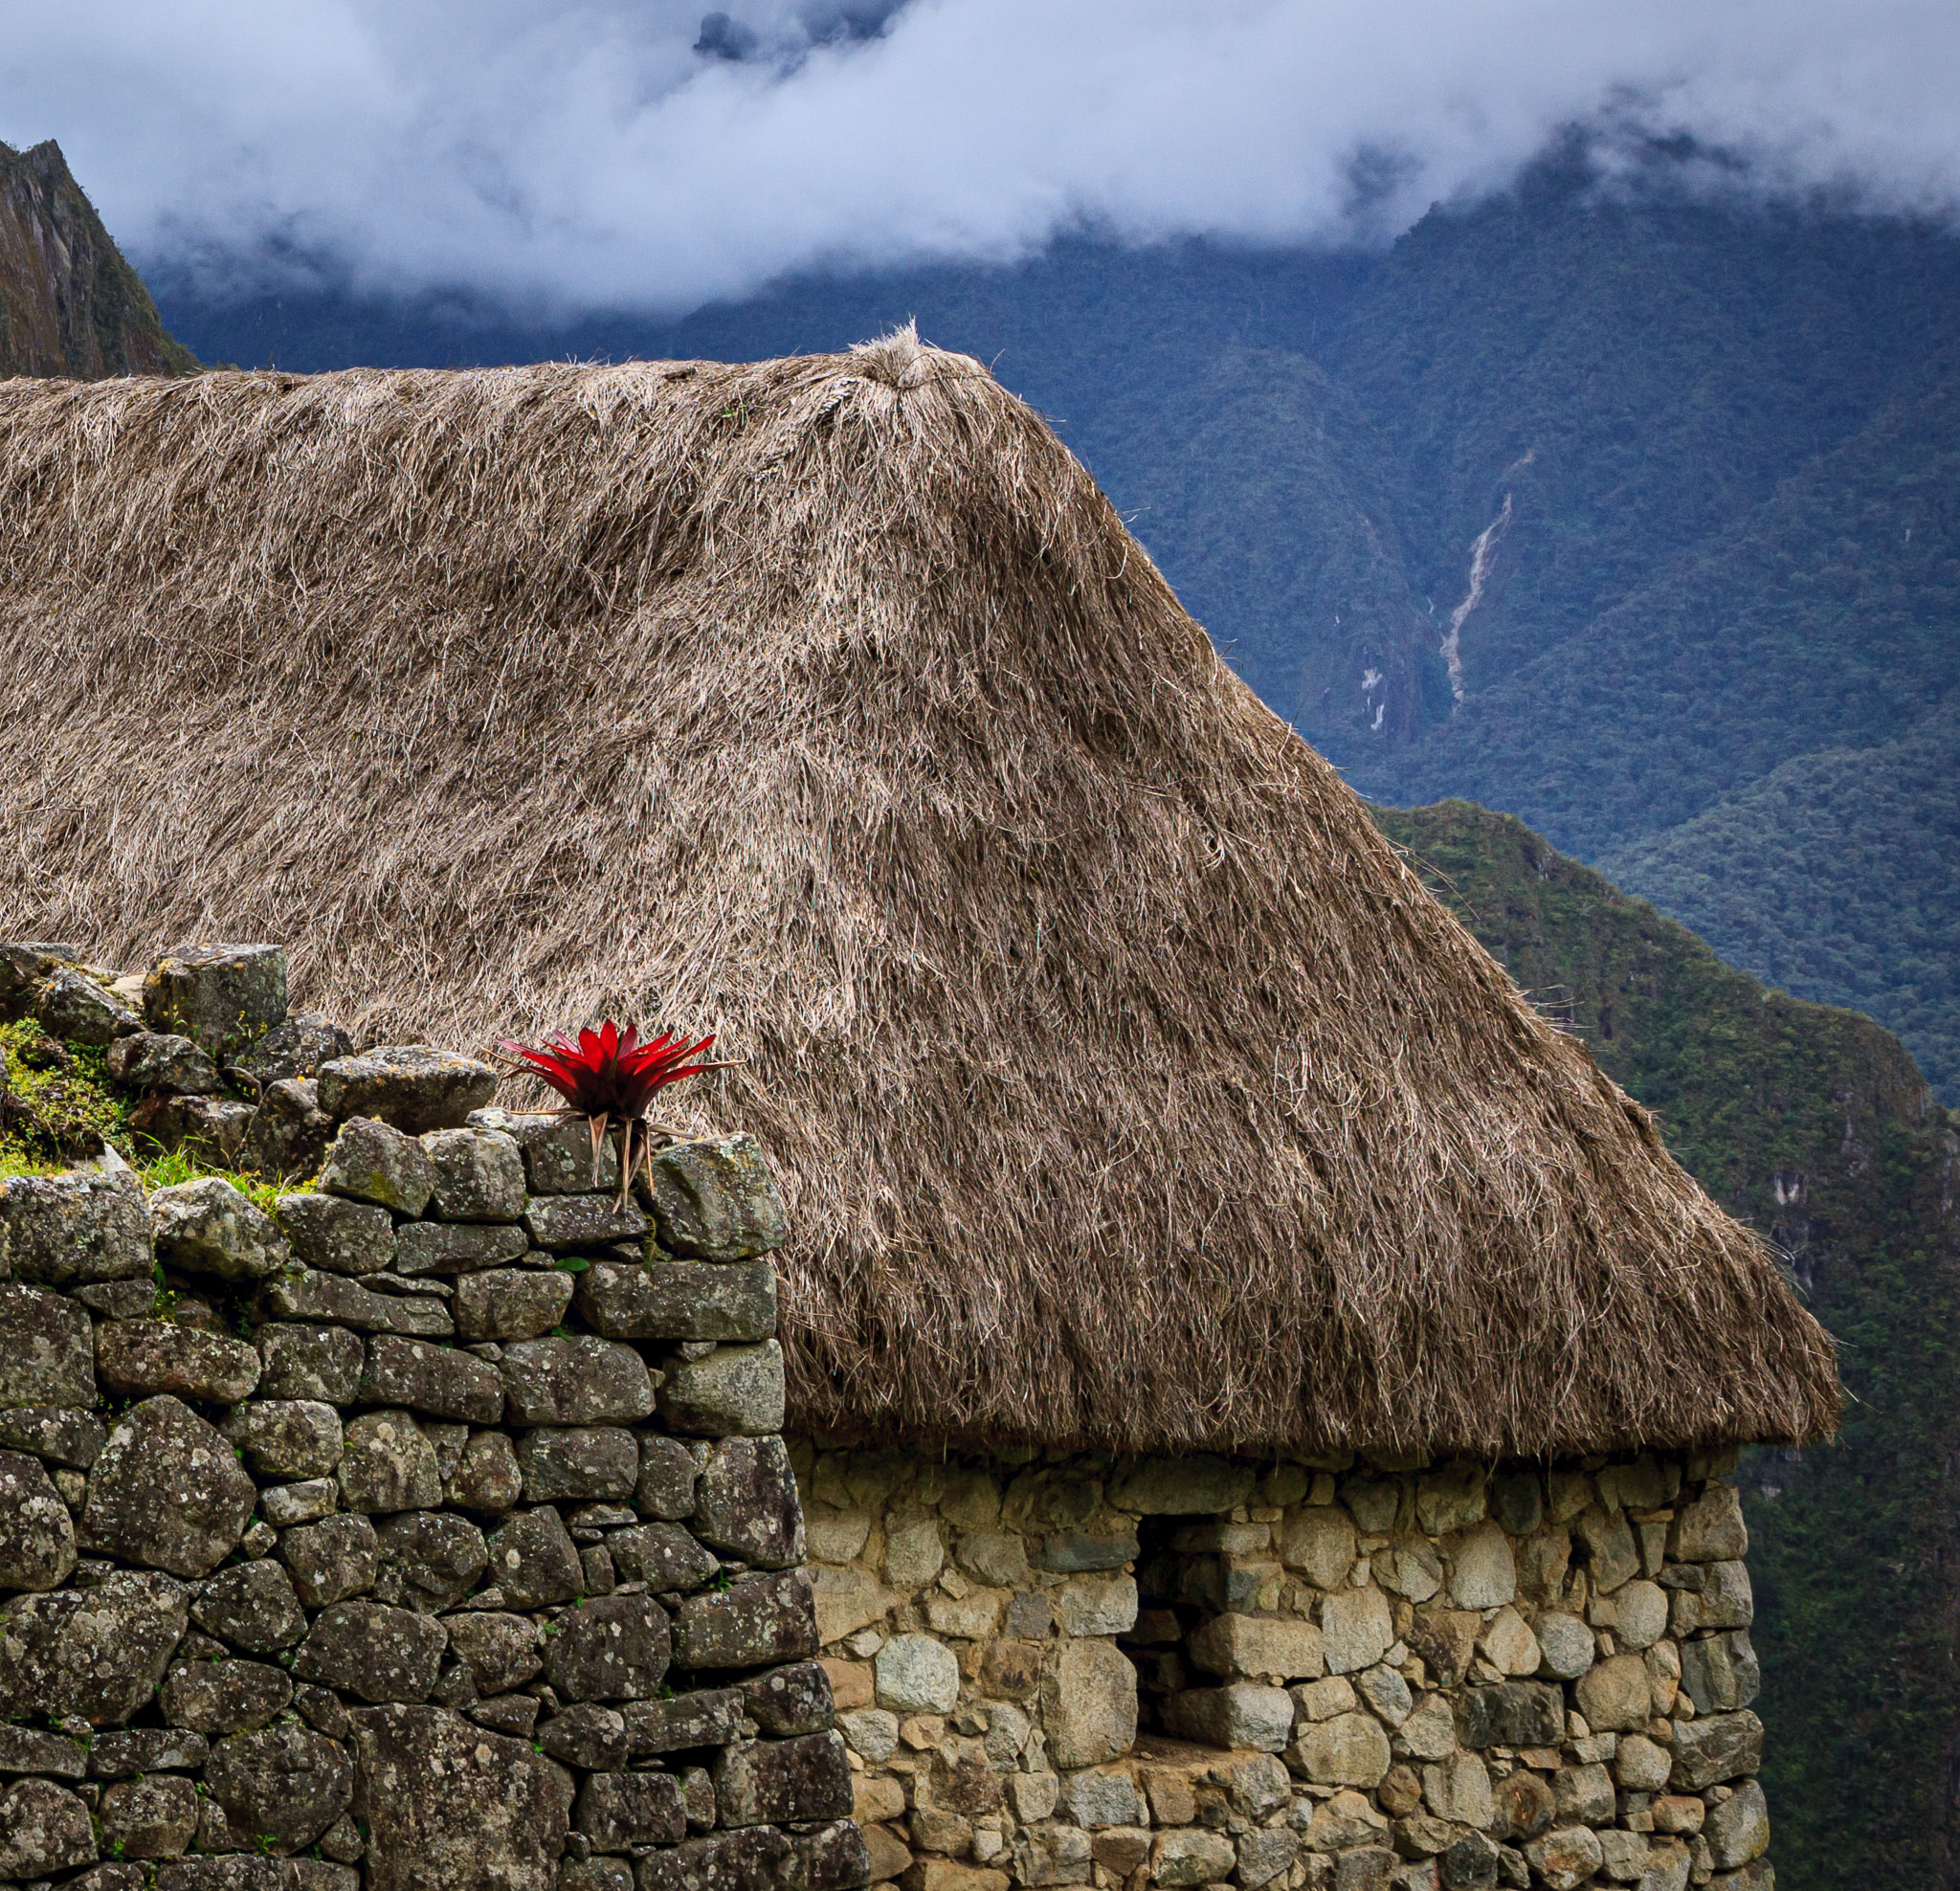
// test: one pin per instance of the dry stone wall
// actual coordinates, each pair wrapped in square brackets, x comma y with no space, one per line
[1354,1677]
[429,1530]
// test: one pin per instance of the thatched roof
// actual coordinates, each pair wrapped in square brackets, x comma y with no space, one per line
[1128,1088]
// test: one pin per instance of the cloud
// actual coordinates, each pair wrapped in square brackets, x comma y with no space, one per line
[582,155]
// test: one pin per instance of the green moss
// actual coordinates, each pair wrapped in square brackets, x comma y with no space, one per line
[61,1105]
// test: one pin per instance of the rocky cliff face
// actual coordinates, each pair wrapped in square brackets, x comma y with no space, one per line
[69,302]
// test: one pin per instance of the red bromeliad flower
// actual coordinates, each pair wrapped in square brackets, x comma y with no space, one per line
[609,1076]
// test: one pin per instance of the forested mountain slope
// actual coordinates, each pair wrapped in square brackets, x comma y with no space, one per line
[1813,1124]
[69,302]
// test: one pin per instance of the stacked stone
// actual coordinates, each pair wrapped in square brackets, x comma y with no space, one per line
[1354,1677]
[435,1529]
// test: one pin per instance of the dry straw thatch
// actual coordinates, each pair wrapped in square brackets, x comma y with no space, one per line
[1128,1088]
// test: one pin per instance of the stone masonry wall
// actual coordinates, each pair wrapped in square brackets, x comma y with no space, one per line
[1194,1672]
[432,1531]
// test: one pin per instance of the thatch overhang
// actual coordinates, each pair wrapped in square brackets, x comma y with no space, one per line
[1127,1089]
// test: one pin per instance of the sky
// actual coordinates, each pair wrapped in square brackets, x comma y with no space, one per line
[575,156]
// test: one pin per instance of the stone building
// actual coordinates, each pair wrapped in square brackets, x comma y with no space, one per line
[1263,1401]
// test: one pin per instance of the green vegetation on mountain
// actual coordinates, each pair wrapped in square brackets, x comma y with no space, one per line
[69,302]
[1813,1124]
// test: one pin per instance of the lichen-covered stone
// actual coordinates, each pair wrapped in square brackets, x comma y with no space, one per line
[558,1462]
[148,1818]
[210,1129]
[771,1782]
[57,1433]
[70,1005]
[24,1750]
[36,1533]
[43,1828]
[793,1700]
[224,1697]
[335,1558]
[98,1654]
[575,1382]
[224,998]
[680,1299]
[557,1149]
[511,1304]
[282,1438]
[309,1362]
[533,1560]
[586,1734]
[732,1391]
[707,1717]
[610,1648]
[388,1465]
[500,1650]
[433,1379]
[756,1859]
[371,1650]
[1511,1714]
[567,1224]
[486,1477]
[295,1047]
[146,1749]
[669,1469]
[479,1175]
[254,1607]
[619,1810]
[166,1492]
[1723,1746]
[662,1556]
[1199,1484]
[147,1356]
[373,1162]
[746,1504]
[47,1349]
[24,963]
[451,1806]
[208,1227]
[1710,1528]
[88,1224]
[1720,1672]
[755,1622]
[456,1247]
[409,1086]
[289,1136]
[313,1295]
[438,1556]
[284,1785]
[159,1060]
[339,1236]
[716,1200]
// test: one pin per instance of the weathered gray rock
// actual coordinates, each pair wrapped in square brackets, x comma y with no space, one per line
[47,1349]
[567,1224]
[716,1200]
[284,1437]
[1566,1647]
[36,1533]
[25,1750]
[98,1654]
[437,1556]
[331,1560]
[617,1811]
[1356,1628]
[678,1299]
[286,1784]
[89,1224]
[511,1304]
[668,1471]
[162,1061]
[309,1362]
[224,998]
[557,1149]
[1720,1672]
[1723,1746]
[289,1136]
[1710,1529]
[575,1382]
[72,1006]
[373,1162]
[295,1046]
[166,1492]
[23,963]
[147,1356]
[663,1556]
[208,1227]
[148,1818]
[1250,1715]
[388,1465]
[486,1477]
[587,1735]
[43,1828]
[253,1607]
[479,1175]
[224,1697]
[578,1461]
[501,1651]
[313,1295]
[534,1562]
[1566,1857]
[284,1506]
[1738,1830]
[368,1648]
[146,1749]
[707,1716]
[758,1622]
[747,1505]
[432,1379]
[409,1086]
[769,1782]
[339,1236]
[791,1701]
[610,1648]
[731,1391]
[1089,1704]
[1197,1485]
[451,1806]
[212,1128]
[757,1858]
[57,1433]
[1513,1714]
[456,1247]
